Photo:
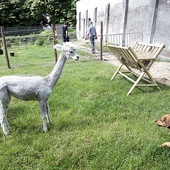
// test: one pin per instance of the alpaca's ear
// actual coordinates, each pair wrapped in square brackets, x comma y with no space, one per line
[58,47]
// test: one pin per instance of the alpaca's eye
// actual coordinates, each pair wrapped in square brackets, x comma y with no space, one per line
[71,51]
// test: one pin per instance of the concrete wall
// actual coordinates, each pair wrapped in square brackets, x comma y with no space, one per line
[162,30]
[84,6]
[140,16]
[116,17]
[150,17]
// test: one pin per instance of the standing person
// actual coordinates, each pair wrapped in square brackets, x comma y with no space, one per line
[92,35]
[65,33]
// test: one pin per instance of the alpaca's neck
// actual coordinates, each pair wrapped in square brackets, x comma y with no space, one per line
[57,70]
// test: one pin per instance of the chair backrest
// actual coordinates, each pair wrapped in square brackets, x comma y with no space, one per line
[125,55]
[137,56]
[151,50]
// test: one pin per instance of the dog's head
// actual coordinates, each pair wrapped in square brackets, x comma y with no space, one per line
[164,121]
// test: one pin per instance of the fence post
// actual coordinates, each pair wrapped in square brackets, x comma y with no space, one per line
[5,46]
[54,41]
[101,41]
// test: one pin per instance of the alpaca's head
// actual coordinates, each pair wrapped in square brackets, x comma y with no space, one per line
[69,50]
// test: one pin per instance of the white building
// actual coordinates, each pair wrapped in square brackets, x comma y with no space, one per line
[151,18]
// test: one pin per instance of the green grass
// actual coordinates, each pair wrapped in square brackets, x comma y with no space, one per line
[95,125]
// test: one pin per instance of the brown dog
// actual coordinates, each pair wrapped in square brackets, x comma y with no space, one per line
[165,122]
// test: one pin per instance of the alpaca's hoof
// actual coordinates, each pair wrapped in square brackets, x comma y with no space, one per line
[45,129]
[5,130]
[6,133]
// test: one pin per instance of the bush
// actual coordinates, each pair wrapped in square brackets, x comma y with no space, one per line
[39,41]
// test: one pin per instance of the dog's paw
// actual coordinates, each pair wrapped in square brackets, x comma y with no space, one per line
[166,144]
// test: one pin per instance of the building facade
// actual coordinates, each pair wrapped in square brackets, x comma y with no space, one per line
[151,18]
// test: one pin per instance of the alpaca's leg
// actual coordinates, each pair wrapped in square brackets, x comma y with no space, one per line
[3,119]
[4,102]
[43,114]
[48,113]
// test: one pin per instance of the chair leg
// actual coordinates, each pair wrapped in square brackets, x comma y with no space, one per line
[154,82]
[117,72]
[151,79]
[136,82]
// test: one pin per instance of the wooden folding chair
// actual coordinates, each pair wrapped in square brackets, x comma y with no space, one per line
[139,57]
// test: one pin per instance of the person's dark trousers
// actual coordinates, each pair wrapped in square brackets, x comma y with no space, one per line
[92,42]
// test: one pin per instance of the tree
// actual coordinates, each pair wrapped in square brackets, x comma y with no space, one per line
[62,11]
[32,12]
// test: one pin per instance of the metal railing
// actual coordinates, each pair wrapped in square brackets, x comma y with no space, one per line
[121,39]
[23,30]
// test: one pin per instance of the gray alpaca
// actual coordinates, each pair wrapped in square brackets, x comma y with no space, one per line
[33,87]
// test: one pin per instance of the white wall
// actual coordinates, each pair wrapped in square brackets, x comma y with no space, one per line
[90,5]
[140,17]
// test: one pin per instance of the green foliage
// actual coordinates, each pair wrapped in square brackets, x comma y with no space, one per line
[40,41]
[32,12]
[44,38]
[95,125]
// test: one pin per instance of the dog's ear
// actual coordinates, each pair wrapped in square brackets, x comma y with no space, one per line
[167,122]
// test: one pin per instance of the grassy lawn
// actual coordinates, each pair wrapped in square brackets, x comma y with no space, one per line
[95,125]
